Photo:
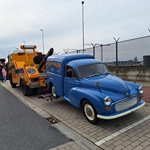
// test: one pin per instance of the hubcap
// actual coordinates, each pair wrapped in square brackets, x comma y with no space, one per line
[89,112]
[53,91]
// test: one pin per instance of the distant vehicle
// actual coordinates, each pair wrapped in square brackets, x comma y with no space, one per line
[26,68]
[86,83]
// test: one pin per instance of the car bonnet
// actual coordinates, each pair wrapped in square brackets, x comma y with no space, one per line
[108,84]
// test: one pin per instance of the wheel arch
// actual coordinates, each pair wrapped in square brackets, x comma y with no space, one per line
[85,99]
[21,79]
[90,112]
[82,101]
[50,84]
[13,85]
[93,98]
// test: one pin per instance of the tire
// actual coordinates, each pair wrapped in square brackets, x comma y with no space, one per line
[13,85]
[52,91]
[90,112]
[25,89]
[34,91]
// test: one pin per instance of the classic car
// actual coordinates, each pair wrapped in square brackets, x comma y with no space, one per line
[86,83]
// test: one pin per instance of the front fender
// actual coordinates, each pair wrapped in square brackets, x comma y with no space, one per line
[133,87]
[94,96]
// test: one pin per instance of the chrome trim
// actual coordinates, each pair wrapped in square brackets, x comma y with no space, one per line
[126,104]
[124,99]
[120,115]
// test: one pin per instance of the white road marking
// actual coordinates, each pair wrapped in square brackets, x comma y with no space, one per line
[98,143]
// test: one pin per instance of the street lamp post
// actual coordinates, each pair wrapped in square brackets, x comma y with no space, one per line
[83,23]
[42,39]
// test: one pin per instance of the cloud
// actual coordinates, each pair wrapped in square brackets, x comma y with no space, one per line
[61,22]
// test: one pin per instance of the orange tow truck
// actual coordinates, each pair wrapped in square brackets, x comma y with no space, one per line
[26,68]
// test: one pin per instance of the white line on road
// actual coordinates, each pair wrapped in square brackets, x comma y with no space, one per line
[98,143]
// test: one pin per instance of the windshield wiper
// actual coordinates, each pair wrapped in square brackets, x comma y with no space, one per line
[106,73]
[96,74]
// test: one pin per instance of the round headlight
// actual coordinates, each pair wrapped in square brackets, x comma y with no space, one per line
[107,100]
[141,90]
[31,70]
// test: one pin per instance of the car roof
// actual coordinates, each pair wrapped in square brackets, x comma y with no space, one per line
[64,58]
[80,62]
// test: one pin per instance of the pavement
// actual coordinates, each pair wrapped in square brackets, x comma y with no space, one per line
[131,132]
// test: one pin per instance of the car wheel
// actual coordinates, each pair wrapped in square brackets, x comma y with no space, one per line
[13,85]
[34,91]
[89,112]
[25,88]
[53,92]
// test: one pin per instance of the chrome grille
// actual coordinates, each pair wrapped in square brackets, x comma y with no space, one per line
[126,104]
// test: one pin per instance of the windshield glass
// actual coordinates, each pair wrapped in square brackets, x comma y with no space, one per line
[92,70]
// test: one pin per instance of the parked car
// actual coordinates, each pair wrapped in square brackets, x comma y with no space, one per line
[87,83]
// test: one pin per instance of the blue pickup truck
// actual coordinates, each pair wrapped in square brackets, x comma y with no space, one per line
[87,83]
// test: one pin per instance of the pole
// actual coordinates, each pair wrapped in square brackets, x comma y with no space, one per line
[83,23]
[101,45]
[93,48]
[101,52]
[42,39]
[116,51]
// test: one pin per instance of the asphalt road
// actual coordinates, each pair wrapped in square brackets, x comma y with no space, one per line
[22,129]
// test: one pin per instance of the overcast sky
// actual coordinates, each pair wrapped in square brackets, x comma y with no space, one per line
[61,21]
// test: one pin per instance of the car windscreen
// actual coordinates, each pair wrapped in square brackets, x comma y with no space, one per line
[91,70]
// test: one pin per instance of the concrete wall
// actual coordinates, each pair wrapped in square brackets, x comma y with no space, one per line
[129,73]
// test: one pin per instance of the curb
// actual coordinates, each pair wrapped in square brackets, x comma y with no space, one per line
[147,104]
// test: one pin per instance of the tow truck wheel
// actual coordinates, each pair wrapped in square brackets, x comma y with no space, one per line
[89,112]
[34,91]
[25,89]
[13,85]
[53,92]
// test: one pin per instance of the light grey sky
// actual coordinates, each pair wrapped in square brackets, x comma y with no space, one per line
[61,21]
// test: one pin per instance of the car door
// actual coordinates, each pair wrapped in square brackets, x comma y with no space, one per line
[71,84]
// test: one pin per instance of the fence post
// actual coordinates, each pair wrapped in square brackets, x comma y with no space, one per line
[94,45]
[116,51]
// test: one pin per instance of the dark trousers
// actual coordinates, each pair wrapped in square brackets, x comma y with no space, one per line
[1,77]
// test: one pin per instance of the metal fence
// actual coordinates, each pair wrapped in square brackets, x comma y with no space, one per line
[132,49]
